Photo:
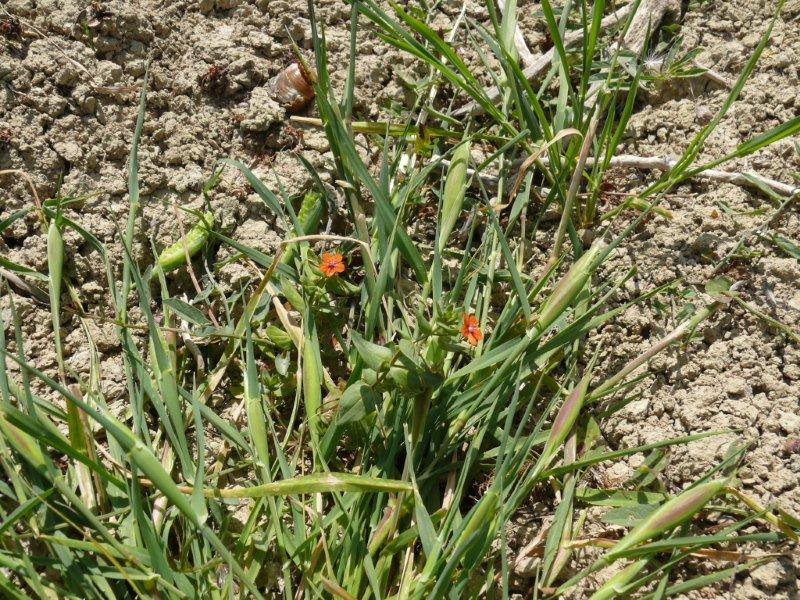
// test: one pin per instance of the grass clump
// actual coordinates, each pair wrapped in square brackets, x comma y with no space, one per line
[390,400]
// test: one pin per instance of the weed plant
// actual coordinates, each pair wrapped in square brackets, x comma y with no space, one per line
[366,417]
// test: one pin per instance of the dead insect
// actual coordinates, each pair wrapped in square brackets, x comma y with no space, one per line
[215,79]
[606,190]
[10,28]
[295,133]
[293,87]
[791,446]
[99,10]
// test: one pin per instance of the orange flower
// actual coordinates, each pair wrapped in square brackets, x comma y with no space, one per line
[470,329]
[331,263]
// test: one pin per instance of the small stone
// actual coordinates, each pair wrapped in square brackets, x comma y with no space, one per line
[262,111]
[795,301]
[88,105]
[639,407]
[703,115]
[706,243]
[768,576]
[790,422]
[108,73]
[69,151]
[735,386]
[67,76]
[617,474]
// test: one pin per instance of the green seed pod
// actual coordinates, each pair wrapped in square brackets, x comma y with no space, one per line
[27,447]
[174,256]
[312,375]
[671,514]
[615,586]
[564,420]
[55,265]
[481,517]
[309,216]
[279,337]
[292,295]
[310,211]
[457,425]
[566,290]
[454,190]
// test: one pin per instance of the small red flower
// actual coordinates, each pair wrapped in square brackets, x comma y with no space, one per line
[470,330]
[331,263]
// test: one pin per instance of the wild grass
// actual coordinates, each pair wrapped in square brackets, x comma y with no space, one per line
[372,432]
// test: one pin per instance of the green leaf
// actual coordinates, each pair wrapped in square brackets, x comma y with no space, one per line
[786,245]
[669,515]
[5,223]
[357,401]
[599,497]
[12,266]
[718,286]
[374,356]
[697,583]
[269,199]
[312,484]
[187,311]
[24,509]
[628,516]
[312,374]
[783,130]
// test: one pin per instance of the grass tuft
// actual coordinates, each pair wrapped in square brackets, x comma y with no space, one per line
[369,428]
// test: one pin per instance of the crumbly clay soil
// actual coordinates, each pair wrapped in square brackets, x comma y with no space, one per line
[67,109]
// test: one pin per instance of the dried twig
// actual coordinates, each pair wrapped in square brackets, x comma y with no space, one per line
[750,235]
[649,15]
[24,287]
[572,192]
[540,65]
[647,19]
[664,163]
[525,55]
